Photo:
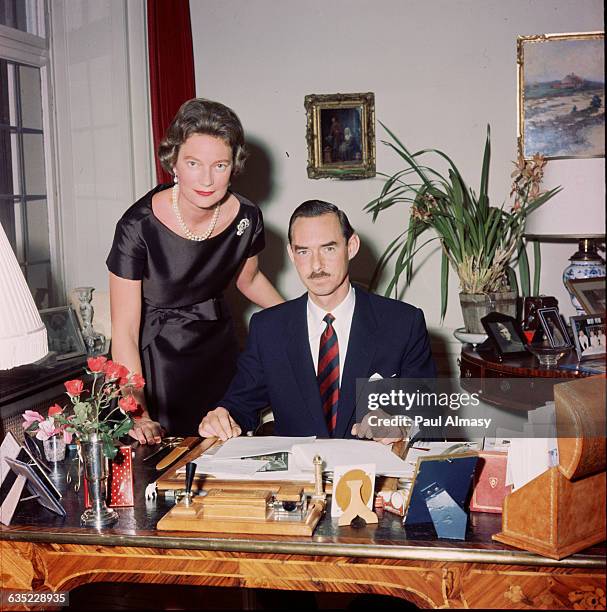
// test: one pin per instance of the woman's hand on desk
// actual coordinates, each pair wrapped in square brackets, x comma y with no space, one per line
[147,431]
[219,423]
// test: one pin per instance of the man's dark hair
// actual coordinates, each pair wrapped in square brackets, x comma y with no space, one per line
[316,208]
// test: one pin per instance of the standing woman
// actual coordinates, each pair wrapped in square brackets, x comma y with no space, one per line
[175,251]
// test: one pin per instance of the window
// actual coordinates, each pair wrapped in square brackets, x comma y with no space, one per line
[23,201]
[23,15]
[24,205]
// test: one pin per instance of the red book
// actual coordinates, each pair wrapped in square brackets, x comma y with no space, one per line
[489,482]
[119,482]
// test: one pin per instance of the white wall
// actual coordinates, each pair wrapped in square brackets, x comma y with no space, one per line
[440,70]
[101,108]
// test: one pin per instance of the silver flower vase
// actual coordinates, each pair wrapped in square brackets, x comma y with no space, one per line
[96,472]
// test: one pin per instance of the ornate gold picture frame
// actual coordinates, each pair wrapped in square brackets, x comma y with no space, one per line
[561,95]
[341,135]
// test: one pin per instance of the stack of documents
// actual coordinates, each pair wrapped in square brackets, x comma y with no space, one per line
[238,458]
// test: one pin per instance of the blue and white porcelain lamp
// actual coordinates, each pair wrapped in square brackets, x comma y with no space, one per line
[576,214]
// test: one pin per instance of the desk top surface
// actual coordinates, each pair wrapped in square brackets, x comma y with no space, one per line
[137,527]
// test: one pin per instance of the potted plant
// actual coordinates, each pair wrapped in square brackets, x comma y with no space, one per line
[480,242]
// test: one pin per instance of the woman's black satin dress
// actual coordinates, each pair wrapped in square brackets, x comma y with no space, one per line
[187,340]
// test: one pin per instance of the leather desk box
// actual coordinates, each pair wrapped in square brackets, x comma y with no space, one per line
[490,487]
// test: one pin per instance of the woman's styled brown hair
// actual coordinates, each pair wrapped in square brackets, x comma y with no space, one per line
[200,116]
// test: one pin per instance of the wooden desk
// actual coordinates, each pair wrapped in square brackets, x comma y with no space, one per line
[43,552]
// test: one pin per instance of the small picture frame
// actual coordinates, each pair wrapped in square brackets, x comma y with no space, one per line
[590,293]
[553,327]
[531,321]
[341,135]
[64,335]
[505,335]
[588,335]
[46,496]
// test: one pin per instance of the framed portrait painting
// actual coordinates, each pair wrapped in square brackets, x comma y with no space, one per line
[341,135]
[561,95]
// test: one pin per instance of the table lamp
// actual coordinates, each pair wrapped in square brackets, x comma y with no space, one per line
[575,214]
[22,332]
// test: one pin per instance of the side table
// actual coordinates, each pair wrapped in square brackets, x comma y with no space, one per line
[493,378]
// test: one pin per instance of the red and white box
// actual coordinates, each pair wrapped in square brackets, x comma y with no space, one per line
[490,487]
[119,482]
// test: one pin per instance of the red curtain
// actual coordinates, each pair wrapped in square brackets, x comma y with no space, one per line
[171,65]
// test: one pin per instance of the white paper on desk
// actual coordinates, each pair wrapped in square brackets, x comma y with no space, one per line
[349,452]
[245,469]
[232,467]
[514,459]
[251,446]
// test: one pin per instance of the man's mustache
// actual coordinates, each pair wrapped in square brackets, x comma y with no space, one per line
[315,275]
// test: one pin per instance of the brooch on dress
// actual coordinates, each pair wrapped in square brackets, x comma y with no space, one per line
[242,226]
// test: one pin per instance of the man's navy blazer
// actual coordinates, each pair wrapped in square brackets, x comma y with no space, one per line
[387,337]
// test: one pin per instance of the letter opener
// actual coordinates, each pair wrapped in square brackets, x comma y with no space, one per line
[180,449]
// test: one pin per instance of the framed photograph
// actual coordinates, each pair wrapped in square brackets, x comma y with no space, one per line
[46,496]
[561,95]
[590,293]
[64,336]
[531,305]
[505,334]
[553,327]
[588,335]
[341,135]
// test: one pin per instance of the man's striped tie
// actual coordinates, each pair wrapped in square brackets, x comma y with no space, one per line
[328,373]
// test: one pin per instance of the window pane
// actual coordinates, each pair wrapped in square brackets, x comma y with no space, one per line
[30,96]
[33,160]
[6,163]
[39,281]
[19,14]
[12,14]
[4,110]
[19,232]
[7,219]
[8,110]
[37,231]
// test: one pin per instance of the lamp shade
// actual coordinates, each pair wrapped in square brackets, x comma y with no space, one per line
[22,333]
[578,211]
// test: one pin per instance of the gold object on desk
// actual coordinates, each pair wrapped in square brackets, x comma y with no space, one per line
[169,442]
[181,448]
[319,493]
[236,506]
[352,493]
[282,512]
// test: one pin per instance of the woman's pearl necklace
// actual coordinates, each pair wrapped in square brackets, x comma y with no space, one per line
[184,228]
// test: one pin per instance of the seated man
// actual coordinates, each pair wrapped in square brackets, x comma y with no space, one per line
[303,356]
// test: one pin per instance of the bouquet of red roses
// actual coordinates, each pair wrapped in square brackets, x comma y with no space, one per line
[106,408]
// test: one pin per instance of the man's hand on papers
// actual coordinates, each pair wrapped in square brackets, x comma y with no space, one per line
[219,423]
[383,434]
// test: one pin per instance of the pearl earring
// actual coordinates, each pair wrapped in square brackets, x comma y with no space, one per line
[175,177]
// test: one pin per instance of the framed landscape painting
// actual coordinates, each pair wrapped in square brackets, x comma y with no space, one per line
[561,95]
